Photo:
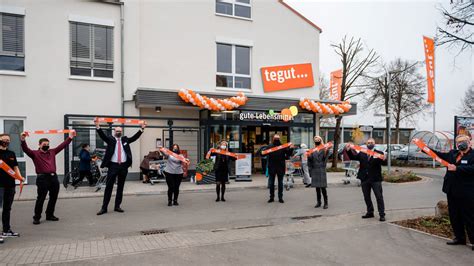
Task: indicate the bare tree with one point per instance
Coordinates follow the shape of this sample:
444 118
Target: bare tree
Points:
458 25
324 95
406 93
354 65
467 102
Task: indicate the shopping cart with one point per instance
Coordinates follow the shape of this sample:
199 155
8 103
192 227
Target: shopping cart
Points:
156 171
351 167
289 180
101 174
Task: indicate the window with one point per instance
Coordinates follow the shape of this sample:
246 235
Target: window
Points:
14 127
12 42
233 66
236 8
91 50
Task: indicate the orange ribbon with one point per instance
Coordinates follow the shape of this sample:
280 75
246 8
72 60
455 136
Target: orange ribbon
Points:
231 154
319 148
368 152
172 154
429 152
284 146
119 120
51 131
12 173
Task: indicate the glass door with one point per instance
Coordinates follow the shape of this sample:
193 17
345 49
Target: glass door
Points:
14 127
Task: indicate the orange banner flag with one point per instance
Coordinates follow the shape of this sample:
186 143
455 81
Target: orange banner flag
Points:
429 152
429 46
368 152
120 120
320 147
13 174
231 154
284 146
50 131
177 156
335 85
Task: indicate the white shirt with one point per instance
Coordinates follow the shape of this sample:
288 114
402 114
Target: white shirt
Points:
115 156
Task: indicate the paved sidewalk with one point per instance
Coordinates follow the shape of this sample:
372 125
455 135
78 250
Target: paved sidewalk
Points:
138 188
95 249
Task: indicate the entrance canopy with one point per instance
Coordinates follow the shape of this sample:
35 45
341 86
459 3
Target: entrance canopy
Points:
151 98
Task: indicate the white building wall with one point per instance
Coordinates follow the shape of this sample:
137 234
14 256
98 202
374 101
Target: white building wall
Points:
46 92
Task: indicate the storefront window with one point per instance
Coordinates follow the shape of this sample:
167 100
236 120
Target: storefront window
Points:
304 118
225 115
300 135
228 133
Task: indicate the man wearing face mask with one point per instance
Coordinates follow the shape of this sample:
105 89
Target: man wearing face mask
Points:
276 167
370 175
117 158
459 188
7 186
44 160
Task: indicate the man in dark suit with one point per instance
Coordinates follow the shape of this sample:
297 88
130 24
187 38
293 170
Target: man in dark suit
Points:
459 187
276 167
117 158
370 175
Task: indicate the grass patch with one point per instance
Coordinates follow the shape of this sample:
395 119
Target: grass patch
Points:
439 226
400 176
335 169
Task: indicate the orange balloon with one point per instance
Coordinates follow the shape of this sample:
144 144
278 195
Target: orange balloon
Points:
286 114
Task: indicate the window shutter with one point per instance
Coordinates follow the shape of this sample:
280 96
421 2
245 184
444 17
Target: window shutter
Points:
81 40
103 48
12 39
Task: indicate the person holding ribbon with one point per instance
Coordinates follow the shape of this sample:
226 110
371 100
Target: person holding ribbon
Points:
277 155
459 188
47 181
317 161
173 172
7 186
117 158
222 166
370 175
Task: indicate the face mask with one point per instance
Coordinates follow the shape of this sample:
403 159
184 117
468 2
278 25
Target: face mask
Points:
317 143
118 134
4 143
223 147
276 142
462 146
175 150
45 148
370 146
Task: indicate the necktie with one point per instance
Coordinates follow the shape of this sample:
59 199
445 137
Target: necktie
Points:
119 159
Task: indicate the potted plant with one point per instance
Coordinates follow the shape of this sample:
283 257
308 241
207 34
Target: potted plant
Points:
203 168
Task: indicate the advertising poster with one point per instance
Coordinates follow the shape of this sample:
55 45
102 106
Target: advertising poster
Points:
243 168
464 126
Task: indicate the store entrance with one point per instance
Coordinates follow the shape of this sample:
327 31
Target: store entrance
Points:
254 137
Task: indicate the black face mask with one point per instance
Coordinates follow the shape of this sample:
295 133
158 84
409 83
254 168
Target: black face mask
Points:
175 150
370 146
45 148
317 143
276 142
118 134
4 143
462 146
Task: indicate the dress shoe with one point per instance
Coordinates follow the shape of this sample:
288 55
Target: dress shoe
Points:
281 201
222 199
308 185
318 205
175 203
218 199
102 211
118 209
472 247
382 219
52 218
325 206
368 215
270 200
455 242
36 221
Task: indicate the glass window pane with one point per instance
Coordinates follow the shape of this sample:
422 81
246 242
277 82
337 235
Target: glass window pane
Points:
12 33
242 83
80 40
242 11
243 1
12 63
83 137
223 8
224 58
14 128
103 73
81 72
242 60
100 42
224 81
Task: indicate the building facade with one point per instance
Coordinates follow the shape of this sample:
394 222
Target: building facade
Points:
130 58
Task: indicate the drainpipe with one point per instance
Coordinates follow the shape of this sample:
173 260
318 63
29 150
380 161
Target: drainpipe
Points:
122 72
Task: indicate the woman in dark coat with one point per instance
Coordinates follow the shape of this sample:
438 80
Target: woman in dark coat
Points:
317 170
222 167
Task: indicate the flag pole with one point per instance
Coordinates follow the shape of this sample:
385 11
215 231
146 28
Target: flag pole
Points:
434 94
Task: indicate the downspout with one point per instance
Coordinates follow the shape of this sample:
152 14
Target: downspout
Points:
122 72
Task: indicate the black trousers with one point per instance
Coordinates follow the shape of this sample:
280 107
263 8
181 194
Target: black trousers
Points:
46 183
271 184
115 172
8 196
367 187
461 215
318 194
87 174
173 181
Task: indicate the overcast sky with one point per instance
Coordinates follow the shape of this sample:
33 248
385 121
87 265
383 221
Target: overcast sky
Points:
394 29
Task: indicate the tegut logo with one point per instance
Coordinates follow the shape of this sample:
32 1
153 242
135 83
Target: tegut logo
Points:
287 77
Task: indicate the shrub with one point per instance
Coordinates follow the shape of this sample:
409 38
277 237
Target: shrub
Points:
399 176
